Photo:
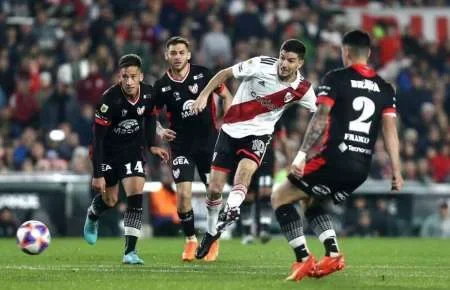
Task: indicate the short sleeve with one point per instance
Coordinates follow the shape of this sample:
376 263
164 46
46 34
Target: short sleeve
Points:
246 68
390 107
103 112
326 92
309 100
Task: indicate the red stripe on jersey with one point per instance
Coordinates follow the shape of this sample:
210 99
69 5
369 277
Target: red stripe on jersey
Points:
364 70
221 169
325 100
248 110
314 165
102 122
389 111
250 155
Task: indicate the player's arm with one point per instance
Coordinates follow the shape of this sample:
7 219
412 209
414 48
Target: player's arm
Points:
150 136
391 144
102 122
202 99
315 130
164 133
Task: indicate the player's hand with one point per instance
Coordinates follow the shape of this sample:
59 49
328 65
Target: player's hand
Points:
298 165
162 153
167 134
397 182
200 103
99 184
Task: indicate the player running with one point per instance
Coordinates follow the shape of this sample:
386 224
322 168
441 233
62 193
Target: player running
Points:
353 104
118 143
191 136
269 85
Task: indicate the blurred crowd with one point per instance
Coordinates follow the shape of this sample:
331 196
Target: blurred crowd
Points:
58 56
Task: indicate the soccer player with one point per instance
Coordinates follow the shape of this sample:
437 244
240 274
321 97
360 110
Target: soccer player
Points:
353 104
191 136
117 152
269 85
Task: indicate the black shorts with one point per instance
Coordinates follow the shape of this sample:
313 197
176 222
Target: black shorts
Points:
335 179
184 163
229 151
263 177
126 163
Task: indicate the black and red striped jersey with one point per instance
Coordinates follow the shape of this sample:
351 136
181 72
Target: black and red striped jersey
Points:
178 96
124 118
359 98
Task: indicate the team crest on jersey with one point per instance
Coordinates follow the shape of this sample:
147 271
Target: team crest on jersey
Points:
140 110
197 77
288 97
124 112
176 172
165 89
193 88
258 147
146 96
104 108
176 96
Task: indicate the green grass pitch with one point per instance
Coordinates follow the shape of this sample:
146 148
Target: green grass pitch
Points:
370 264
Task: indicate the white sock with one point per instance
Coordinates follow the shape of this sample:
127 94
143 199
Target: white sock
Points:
237 195
213 208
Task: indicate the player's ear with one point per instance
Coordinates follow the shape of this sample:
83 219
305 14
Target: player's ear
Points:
369 53
166 55
189 55
300 63
141 77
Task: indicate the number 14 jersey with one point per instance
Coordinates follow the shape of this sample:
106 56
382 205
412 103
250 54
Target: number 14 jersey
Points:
359 98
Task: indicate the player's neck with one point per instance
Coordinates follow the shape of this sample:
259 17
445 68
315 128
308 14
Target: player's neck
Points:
289 79
132 98
179 74
358 62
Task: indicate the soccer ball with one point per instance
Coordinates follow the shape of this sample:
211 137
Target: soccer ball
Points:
33 237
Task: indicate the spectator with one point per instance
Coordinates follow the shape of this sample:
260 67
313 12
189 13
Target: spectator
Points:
437 225
8 223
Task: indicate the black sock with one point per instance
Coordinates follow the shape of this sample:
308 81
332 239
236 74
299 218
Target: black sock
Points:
98 206
330 246
187 223
292 227
133 222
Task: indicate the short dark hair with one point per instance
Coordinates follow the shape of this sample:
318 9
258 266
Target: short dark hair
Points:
177 40
358 42
294 45
130 60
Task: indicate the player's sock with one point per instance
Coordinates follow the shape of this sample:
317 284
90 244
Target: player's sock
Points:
97 207
133 222
292 227
265 219
187 223
322 226
213 208
237 195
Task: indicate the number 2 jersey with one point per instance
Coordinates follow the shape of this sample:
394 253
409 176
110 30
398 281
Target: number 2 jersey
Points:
359 98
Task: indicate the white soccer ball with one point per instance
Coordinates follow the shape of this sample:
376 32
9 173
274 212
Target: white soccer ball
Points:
33 237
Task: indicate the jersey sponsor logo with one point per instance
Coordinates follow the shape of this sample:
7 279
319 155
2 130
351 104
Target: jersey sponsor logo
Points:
180 160
176 172
128 126
365 85
343 147
264 102
258 147
193 88
262 83
321 189
356 138
177 96
104 108
146 96
359 150
165 89
340 196
140 110
288 97
197 77
106 167
187 109
124 112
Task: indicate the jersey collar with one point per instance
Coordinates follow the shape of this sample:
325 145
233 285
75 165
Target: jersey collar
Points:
364 70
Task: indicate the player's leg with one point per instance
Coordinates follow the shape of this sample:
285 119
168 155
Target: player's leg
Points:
265 207
322 225
283 199
100 203
133 217
217 181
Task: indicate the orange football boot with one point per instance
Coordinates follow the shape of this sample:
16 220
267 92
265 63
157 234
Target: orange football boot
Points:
302 269
328 265
189 251
213 252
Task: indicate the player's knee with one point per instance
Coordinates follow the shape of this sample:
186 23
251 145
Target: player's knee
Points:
276 199
214 190
184 200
